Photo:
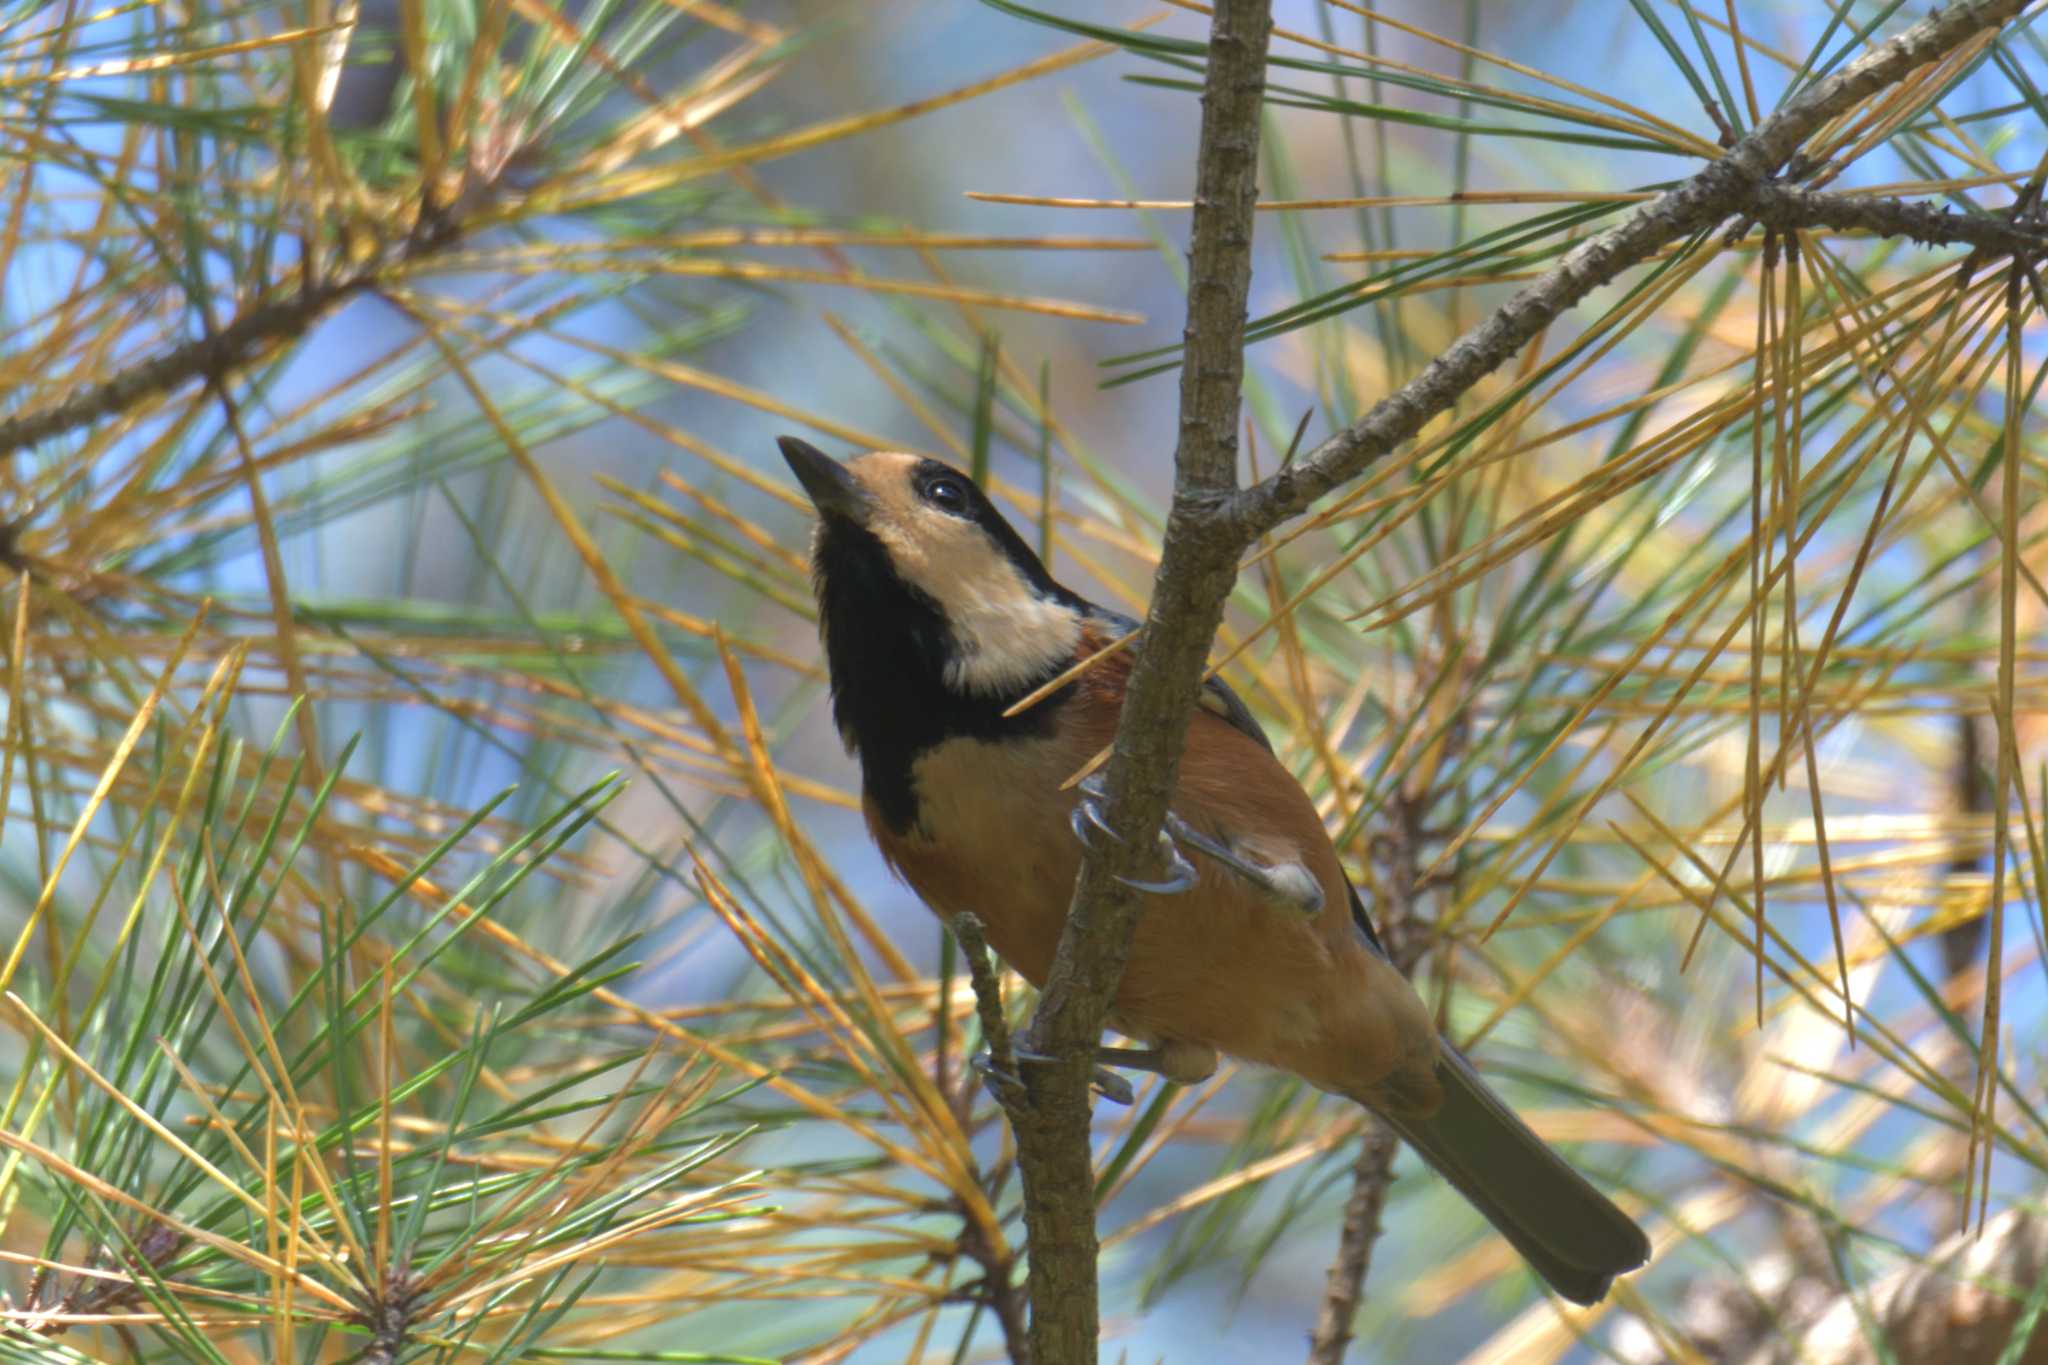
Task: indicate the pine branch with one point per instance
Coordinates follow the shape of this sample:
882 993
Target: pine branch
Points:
1195 576
86 1297
999 1289
1406 939
1344 1289
1786 207
245 340
1725 187
988 998
390 1320
1212 522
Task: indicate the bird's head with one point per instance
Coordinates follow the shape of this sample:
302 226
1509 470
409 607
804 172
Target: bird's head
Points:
912 561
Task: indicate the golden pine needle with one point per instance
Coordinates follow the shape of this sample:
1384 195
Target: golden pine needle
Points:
1069 674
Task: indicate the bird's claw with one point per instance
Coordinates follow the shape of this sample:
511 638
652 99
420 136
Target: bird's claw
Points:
1105 1082
1112 1087
1292 884
1087 816
1181 875
995 1079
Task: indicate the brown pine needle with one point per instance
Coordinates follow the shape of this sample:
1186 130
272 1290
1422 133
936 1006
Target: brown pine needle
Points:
1060 680
1367 201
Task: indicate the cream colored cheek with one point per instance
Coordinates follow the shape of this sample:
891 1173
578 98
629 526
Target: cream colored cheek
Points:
946 572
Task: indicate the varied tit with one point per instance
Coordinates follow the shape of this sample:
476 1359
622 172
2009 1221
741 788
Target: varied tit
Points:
936 617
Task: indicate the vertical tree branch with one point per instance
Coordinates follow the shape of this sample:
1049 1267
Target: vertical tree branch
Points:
999 1289
390 1319
1961 943
1404 935
1213 521
1962 948
1345 1288
1197 569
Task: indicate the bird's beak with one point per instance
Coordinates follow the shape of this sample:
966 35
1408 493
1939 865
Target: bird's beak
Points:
832 490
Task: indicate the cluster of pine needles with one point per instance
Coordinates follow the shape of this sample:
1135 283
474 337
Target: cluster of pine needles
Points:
415 952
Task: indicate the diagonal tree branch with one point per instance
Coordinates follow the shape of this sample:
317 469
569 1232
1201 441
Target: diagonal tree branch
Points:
1786 206
1212 523
1725 186
246 339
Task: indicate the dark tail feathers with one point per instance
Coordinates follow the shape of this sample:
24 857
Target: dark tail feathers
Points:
1573 1235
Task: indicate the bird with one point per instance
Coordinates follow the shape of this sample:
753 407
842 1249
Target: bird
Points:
936 619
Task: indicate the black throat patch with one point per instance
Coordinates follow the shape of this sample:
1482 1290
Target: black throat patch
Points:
887 646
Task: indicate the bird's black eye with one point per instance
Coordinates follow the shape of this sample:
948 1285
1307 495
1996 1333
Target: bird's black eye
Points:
946 493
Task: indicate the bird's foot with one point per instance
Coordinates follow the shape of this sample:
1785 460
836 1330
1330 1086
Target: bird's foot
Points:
1104 1082
1290 884
1088 817
1112 1087
1183 1063
1000 1084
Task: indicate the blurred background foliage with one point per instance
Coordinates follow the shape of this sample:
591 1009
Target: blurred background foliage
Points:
437 921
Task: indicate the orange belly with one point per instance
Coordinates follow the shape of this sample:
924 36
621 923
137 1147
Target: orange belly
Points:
1218 965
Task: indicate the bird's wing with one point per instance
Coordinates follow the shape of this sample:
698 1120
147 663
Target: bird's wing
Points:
1364 922
1220 699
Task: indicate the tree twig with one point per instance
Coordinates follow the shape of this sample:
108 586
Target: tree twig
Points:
1404 936
1725 186
988 1000
390 1319
1962 948
999 1290
1371 1173
1785 207
244 340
